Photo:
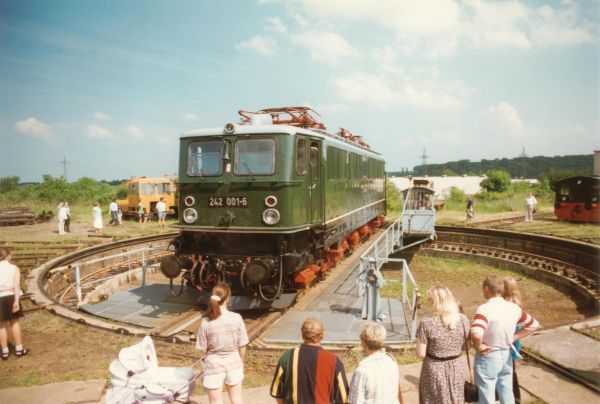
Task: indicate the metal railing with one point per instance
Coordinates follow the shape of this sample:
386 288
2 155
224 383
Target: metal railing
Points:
390 242
127 257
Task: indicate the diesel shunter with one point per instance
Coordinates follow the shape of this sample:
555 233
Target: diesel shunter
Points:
270 204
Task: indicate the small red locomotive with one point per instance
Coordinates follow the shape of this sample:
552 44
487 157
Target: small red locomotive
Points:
578 199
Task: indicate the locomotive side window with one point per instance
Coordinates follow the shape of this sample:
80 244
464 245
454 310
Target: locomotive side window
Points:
205 158
254 157
301 157
314 161
332 163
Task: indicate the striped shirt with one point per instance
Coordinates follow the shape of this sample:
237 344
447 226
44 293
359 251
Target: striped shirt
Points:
376 380
309 374
221 339
497 320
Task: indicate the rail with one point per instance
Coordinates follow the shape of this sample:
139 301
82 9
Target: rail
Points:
143 254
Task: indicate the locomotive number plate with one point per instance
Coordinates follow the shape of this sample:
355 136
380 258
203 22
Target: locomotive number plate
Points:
227 202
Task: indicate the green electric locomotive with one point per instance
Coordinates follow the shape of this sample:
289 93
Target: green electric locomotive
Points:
270 204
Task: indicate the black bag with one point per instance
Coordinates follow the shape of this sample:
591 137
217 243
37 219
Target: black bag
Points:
471 393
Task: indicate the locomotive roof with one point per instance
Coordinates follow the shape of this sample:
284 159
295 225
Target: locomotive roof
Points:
591 178
276 129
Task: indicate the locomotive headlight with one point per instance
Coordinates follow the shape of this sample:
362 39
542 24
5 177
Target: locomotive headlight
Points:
271 216
190 215
189 201
271 201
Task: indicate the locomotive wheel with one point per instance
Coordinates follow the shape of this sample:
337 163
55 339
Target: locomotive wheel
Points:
207 278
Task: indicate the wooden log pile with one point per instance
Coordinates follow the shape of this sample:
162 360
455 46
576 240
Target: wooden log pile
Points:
16 216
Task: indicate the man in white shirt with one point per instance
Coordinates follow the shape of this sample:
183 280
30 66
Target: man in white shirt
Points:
530 204
114 213
62 217
493 334
161 210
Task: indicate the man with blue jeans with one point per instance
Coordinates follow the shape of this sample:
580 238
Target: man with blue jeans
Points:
492 334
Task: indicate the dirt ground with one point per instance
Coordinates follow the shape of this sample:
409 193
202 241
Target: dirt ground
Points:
548 305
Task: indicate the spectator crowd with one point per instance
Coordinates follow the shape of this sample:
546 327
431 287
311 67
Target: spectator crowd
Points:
308 373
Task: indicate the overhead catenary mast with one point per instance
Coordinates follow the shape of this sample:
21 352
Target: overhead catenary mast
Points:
523 156
64 163
424 164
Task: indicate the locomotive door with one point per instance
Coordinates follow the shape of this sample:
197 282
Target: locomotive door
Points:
314 189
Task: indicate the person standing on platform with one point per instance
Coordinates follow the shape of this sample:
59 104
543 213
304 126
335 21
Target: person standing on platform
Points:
141 212
97 216
161 210
10 307
114 213
493 335
470 212
222 337
440 341
376 379
62 217
530 205
309 373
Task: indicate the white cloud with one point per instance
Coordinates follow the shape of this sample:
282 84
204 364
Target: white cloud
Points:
560 27
190 117
498 23
101 116
435 28
261 44
360 87
97 132
135 132
506 115
34 128
275 25
417 89
326 47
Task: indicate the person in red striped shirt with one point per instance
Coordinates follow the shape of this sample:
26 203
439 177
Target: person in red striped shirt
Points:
493 335
309 374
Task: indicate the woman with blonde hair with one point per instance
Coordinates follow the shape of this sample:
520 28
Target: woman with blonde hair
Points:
10 307
222 337
440 340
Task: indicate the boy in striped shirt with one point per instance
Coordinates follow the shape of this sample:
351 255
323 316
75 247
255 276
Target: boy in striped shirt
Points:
492 334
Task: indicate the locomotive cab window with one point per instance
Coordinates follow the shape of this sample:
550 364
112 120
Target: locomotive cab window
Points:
205 158
254 157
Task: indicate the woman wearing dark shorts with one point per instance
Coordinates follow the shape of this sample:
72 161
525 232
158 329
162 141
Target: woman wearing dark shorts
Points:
10 307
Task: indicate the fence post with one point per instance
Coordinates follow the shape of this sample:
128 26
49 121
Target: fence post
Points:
78 285
144 268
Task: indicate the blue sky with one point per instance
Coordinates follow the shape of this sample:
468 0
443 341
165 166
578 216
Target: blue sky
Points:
112 84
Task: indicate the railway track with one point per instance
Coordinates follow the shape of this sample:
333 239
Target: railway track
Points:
567 263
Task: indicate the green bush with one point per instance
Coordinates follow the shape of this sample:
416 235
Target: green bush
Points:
8 184
393 198
496 181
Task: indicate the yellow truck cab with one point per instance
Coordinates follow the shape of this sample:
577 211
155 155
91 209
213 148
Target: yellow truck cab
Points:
149 190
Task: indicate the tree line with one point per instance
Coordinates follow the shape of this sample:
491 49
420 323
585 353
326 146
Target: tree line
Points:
518 167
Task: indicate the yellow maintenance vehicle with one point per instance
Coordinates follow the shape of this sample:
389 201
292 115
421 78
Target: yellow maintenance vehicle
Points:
149 190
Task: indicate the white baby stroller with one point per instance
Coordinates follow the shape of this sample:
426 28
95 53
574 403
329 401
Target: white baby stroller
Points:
137 378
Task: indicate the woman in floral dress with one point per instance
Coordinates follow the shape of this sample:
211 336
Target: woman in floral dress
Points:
440 341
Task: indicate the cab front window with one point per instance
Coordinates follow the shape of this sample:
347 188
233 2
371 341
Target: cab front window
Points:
205 158
255 157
